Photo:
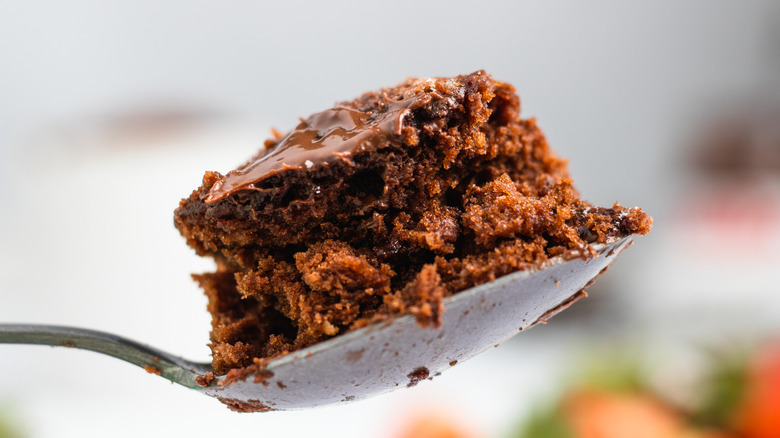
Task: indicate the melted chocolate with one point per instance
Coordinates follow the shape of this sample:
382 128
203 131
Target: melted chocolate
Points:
322 138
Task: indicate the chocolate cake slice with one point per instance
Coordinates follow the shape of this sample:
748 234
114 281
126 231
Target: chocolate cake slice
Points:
379 207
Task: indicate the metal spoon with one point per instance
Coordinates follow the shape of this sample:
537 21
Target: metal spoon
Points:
366 362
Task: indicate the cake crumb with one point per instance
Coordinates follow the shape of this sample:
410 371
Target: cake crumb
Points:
206 379
250 405
417 375
262 376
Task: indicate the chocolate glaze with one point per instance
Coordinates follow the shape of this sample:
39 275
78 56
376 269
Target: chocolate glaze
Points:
322 138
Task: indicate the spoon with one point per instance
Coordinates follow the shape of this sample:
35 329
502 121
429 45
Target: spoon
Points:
365 362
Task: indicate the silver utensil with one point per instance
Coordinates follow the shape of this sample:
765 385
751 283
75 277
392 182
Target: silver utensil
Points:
366 362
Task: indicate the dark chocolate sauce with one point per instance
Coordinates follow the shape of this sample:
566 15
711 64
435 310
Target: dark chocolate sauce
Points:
322 138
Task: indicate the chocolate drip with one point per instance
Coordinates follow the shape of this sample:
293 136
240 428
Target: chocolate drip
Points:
321 139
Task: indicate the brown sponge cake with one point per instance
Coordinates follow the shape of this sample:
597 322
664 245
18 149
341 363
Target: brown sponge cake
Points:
383 206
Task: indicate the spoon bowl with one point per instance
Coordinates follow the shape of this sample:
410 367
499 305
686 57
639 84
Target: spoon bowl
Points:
366 362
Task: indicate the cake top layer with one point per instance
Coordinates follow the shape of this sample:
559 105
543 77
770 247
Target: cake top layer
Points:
336 133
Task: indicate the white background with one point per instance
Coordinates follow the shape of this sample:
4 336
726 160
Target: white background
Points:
86 234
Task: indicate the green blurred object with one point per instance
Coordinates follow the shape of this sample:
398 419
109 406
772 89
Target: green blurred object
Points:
616 370
723 387
10 425
546 423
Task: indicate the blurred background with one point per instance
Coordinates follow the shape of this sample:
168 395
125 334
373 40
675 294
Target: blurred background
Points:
110 112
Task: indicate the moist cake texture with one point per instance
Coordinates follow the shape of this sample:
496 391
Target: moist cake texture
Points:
379 207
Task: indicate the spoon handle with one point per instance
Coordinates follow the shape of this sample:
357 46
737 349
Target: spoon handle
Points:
171 367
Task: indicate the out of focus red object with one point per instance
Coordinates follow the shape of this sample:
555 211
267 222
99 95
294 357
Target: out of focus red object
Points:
435 425
758 414
594 413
